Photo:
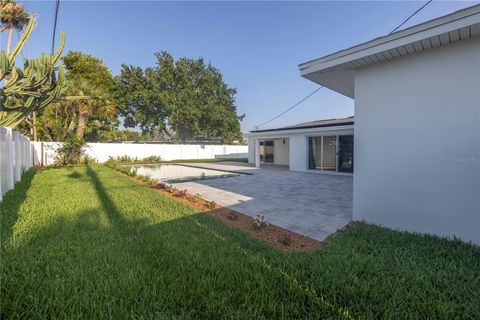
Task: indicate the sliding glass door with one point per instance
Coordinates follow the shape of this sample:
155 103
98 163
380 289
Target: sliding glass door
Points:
329 158
266 151
345 153
331 153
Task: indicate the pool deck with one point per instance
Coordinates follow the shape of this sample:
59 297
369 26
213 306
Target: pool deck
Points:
312 204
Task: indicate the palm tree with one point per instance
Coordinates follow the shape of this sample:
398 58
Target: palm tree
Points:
95 103
12 17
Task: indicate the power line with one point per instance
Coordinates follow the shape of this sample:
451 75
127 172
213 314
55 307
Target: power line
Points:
290 108
55 25
411 16
311 94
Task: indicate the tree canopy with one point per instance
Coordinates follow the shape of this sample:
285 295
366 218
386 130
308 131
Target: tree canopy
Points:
187 96
86 76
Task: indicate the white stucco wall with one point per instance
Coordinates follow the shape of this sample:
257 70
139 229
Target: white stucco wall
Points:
417 142
281 152
298 152
251 150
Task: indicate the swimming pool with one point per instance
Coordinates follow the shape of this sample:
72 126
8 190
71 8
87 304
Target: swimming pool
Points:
172 173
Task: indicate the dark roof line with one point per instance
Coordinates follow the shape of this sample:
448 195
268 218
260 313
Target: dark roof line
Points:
320 124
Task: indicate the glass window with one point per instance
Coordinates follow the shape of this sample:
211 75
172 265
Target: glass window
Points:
315 153
329 162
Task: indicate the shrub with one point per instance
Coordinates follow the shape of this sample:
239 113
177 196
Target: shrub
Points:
232 215
161 185
259 222
211 205
86 159
152 182
286 238
197 196
152 159
181 193
70 151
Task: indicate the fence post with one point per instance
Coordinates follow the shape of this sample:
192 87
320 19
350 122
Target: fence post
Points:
9 162
3 142
17 157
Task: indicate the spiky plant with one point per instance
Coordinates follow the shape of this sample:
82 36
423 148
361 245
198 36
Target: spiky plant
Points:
32 88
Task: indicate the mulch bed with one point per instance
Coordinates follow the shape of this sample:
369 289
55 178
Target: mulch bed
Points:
271 234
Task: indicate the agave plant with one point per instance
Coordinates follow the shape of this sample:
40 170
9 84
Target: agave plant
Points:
32 88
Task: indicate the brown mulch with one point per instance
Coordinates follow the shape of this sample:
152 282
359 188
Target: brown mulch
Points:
270 233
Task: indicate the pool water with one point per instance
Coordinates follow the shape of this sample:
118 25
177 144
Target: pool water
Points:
172 173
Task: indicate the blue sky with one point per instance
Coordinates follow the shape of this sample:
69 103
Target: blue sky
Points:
256 45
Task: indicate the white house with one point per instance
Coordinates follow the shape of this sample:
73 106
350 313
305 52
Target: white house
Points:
417 124
323 146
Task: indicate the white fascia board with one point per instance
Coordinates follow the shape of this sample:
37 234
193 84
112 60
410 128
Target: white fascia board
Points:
280 134
455 21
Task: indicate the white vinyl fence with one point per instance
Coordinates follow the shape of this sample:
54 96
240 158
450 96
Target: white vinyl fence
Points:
44 152
18 154
15 158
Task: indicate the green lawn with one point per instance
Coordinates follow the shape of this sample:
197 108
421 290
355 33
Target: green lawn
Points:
88 243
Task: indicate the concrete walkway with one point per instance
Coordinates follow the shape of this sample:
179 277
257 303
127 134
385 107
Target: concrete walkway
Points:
312 204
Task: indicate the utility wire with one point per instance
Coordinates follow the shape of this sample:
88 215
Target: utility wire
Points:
55 25
290 108
311 94
411 16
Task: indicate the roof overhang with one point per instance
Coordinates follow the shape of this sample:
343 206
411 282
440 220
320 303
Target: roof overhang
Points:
286 133
337 71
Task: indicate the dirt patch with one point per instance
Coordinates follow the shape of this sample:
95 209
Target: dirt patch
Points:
275 236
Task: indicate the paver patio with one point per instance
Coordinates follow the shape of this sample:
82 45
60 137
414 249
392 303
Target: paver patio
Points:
312 204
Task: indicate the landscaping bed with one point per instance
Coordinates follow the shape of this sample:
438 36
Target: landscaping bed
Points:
275 236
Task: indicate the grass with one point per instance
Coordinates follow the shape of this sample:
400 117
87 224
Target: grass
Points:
87 243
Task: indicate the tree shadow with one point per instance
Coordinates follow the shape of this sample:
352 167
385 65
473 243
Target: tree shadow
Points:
75 175
114 215
10 205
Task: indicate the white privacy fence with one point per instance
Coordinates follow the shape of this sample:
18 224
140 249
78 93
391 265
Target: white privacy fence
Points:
44 152
18 154
15 158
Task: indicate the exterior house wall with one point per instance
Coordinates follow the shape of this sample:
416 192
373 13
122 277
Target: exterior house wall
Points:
417 142
298 152
281 152
251 150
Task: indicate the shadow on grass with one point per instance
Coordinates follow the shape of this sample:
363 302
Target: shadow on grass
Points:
181 264
10 205
108 205
75 175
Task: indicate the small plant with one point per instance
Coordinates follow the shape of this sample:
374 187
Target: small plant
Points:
197 196
152 159
161 185
286 238
181 193
152 182
232 215
211 205
171 189
259 222
86 159
143 178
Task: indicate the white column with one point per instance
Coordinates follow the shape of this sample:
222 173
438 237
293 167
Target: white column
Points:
257 153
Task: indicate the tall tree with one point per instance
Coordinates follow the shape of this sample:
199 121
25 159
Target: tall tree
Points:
187 96
86 76
12 17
